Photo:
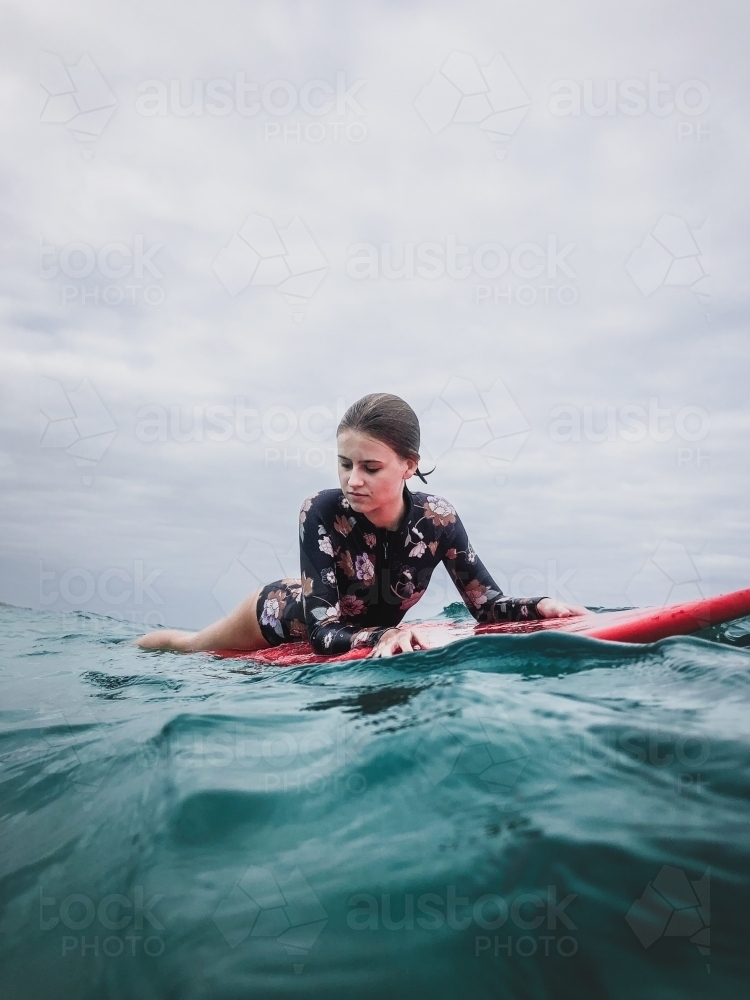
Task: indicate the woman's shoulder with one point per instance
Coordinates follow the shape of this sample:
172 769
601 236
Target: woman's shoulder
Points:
324 502
439 510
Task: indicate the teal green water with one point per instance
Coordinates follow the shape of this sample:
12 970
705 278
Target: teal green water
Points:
527 817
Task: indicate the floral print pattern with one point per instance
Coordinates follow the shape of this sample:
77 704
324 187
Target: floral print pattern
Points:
324 544
358 580
273 607
351 607
345 563
476 593
365 568
341 524
440 512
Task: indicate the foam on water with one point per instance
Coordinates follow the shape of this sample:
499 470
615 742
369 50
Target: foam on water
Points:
531 816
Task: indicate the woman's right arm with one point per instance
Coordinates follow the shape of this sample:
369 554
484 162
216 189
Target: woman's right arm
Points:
318 547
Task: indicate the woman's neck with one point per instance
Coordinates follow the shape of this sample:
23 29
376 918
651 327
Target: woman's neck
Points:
388 516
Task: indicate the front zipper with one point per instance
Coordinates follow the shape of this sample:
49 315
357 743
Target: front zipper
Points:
384 570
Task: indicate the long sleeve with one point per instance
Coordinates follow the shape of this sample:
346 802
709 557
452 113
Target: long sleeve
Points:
325 609
478 590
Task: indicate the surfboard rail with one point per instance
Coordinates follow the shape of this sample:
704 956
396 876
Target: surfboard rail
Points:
636 625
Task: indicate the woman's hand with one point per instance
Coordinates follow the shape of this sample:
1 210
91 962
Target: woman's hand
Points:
404 639
548 608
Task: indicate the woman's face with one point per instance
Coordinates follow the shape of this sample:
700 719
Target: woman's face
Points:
370 472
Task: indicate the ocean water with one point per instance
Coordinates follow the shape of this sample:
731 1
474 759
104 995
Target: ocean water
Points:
512 816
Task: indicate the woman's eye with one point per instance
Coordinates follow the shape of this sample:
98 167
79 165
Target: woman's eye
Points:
371 472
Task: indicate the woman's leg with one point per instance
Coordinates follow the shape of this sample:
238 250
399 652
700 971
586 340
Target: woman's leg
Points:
239 630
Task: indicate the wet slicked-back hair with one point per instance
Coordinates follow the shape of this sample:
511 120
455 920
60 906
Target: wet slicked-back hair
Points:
387 418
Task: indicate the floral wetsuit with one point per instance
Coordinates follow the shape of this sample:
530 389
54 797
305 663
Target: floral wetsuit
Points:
358 580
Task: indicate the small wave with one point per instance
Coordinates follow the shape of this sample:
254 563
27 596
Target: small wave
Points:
522 816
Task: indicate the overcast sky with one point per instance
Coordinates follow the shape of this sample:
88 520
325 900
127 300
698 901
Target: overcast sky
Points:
205 216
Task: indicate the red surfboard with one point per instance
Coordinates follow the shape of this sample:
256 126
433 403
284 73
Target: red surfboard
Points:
636 625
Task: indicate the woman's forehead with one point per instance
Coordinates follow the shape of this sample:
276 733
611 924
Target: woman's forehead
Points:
355 444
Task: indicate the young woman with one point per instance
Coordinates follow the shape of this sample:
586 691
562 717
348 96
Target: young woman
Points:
367 552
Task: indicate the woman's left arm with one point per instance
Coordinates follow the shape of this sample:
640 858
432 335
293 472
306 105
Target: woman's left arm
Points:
482 596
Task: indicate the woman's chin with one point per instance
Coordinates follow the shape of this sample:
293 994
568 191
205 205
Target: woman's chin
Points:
362 506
